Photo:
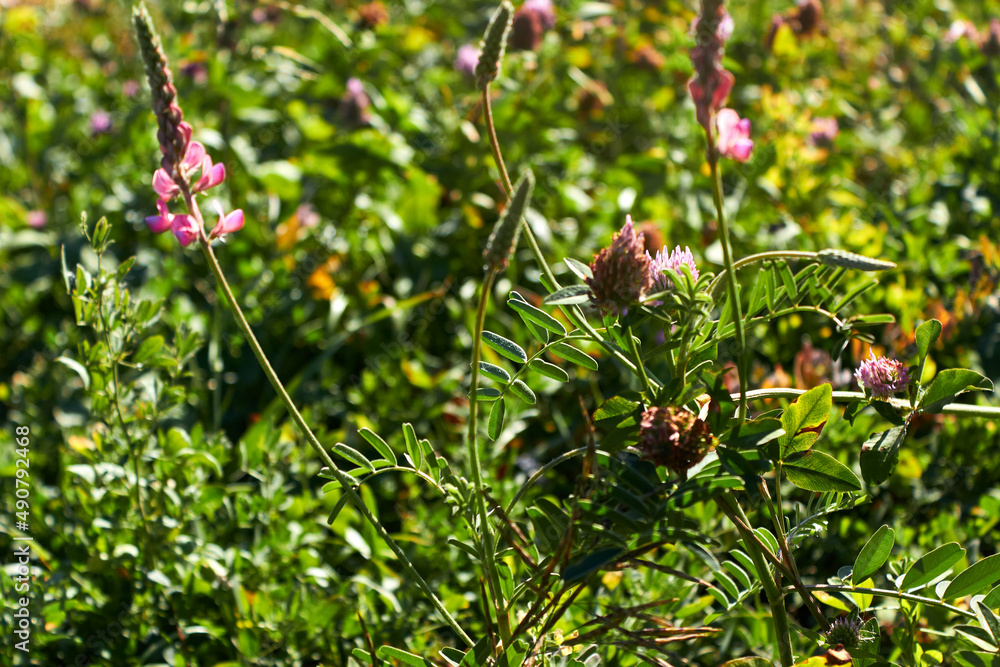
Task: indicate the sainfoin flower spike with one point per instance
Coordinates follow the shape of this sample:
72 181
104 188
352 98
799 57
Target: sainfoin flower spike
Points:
711 84
621 272
734 136
882 377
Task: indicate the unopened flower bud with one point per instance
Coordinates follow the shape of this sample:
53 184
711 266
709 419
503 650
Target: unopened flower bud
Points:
503 239
494 44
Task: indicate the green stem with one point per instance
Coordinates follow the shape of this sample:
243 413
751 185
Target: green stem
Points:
346 481
574 313
638 361
731 279
730 506
486 528
887 593
759 257
778 518
898 403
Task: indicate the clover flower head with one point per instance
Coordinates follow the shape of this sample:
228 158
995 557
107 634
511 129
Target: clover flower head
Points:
882 377
669 260
621 272
674 438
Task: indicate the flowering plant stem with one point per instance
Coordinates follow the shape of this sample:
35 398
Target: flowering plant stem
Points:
771 583
731 280
898 403
573 313
486 528
346 481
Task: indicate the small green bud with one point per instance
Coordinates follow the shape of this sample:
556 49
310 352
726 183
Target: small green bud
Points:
849 260
494 44
101 231
503 239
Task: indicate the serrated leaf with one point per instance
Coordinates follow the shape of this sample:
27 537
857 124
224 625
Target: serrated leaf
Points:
932 565
977 578
573 355
495 424
873 555
504 347
354 456
523 391
494 372
804 419
538 316
549 370
950 383
574 294
880 453
815 471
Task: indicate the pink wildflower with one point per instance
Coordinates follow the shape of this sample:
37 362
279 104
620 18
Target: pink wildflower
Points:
228 223
673 260
711 84
882 377
734 136
621 272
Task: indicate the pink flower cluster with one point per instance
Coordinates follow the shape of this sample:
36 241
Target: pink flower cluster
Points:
882 377
624 273
711 84
186 227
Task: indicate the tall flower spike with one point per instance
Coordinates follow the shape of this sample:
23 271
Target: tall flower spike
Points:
494 44
621 272
882 377
174 134
503 239
711 84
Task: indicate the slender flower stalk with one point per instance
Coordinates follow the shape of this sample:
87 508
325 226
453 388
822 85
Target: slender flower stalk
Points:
181 157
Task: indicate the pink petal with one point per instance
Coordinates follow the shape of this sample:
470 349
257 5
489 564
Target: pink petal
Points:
211 175
163 185
160 223
742 150
228 224
194 155
157 223
185 229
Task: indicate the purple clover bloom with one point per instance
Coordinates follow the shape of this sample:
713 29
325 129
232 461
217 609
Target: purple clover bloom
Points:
672 260
882 377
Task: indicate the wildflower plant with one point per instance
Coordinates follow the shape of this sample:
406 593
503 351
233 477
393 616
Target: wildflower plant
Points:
672 443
